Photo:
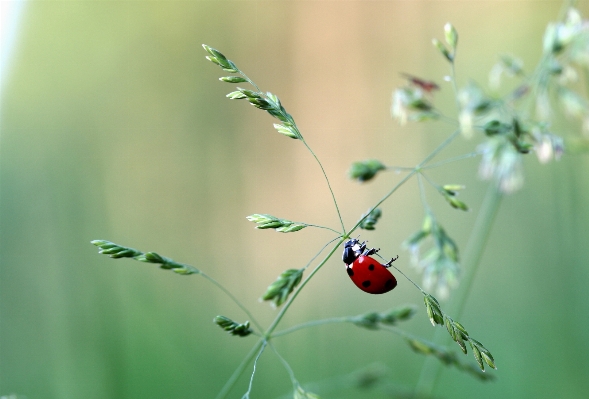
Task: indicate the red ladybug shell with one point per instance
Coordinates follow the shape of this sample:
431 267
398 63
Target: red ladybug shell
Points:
370 276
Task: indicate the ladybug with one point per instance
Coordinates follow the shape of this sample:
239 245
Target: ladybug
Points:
367 273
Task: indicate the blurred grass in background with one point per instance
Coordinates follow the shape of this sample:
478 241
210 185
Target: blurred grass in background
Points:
114 126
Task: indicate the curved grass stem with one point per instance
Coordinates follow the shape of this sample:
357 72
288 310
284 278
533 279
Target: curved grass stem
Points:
234 299
286 366
453 159
270 330
343 319
268 334
240 369
323 227
339 215
249 389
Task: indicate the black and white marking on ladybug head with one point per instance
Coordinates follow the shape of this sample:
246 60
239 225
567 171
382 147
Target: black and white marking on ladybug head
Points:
352 250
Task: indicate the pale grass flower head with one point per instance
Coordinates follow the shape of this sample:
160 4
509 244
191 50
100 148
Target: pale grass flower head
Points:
503 163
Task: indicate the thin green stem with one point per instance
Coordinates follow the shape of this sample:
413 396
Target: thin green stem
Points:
234 299
411 281
319 253
422 192
239 370
415 170
446 118
400 332
268 334
280 315
432 183
312 153
453 159
453 77
474 251
439 148
400 168
383 199
321 227
249 389
293 379
250 81
339 215
344 319
313 323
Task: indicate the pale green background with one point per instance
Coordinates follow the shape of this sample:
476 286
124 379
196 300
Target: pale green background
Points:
114 126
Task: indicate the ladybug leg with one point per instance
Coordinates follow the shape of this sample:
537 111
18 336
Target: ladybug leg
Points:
390 262
371 252
362 247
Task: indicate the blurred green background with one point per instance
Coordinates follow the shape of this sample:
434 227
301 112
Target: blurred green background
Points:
114 126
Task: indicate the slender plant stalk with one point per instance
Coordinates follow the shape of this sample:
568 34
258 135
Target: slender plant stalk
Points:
322 227
473 253
439 148
313 323
268 333
339 215
312 153
286 366
454 84
453 159
383 199
249 390
234 299
240 369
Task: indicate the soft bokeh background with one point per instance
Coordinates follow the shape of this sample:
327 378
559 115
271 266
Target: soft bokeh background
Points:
114 126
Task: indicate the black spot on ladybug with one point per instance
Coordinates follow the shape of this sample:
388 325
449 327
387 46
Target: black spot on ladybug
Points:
371 267
366 284
388 283
350 271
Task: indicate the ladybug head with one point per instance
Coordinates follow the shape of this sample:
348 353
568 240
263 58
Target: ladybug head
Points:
351 242
352 250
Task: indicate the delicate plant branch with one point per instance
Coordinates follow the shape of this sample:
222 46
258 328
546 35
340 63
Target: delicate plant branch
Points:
240 369
453 159
268 102
280 315
386 321
116 251
372 320
298 391
247 394
268 334
279 290
328 184
286 366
